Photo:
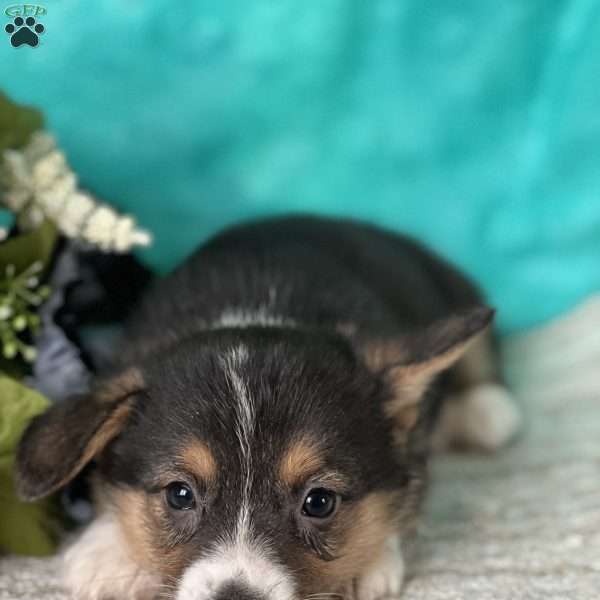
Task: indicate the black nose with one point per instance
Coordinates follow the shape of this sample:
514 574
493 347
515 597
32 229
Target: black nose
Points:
237 591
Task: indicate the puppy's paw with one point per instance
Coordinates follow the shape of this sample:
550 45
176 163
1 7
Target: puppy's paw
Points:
384 579
484 417
98 566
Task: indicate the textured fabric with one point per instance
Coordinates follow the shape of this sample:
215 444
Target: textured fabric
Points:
472 124
522 525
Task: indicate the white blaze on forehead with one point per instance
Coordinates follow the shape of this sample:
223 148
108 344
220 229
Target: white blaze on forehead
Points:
244 430
239 564
239 560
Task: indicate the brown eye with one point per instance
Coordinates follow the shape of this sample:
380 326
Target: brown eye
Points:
180 496
319 503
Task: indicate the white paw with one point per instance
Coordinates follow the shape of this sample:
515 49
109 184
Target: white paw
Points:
384 579
485 417
98 566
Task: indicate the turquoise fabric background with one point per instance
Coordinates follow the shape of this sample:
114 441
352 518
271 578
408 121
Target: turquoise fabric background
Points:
472 124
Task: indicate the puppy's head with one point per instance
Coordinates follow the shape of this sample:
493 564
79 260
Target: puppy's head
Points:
263 463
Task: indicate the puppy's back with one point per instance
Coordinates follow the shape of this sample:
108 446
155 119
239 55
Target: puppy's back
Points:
306 270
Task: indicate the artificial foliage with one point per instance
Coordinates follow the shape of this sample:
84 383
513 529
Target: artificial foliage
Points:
23 262
17 123
24 528
40 185
52 222
20 295
41 190
24 255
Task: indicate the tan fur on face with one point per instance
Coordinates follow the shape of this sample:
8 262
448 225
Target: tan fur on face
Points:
199 460
301 460
362 531
131 509
99 565
141 519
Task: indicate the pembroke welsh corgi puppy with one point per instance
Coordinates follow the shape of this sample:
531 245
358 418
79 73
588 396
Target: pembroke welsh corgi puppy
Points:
266 433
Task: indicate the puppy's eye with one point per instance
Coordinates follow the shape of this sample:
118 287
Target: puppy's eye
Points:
319 503
180 496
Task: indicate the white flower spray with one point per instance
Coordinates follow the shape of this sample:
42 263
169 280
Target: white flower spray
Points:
37 183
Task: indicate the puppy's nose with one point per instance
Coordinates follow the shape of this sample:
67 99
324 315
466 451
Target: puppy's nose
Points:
237 591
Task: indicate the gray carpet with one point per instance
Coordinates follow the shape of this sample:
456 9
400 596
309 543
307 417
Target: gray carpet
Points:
522 525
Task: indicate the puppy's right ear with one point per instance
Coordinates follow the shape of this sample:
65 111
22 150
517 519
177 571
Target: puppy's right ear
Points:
59 443
409 364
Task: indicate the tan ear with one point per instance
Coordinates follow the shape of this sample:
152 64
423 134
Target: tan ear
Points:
58 444
411 363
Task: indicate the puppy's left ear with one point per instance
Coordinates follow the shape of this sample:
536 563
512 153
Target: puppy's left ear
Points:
59 443
410 364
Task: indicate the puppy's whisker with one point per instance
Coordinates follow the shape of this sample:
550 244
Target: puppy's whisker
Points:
167 591
97 579
169 580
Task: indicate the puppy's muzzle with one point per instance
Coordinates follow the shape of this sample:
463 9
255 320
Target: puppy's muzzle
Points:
237 591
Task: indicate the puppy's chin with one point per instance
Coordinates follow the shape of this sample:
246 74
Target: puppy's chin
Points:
99 565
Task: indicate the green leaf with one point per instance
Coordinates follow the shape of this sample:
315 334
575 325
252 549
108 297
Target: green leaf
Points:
25 528
19 405
17 123
26 248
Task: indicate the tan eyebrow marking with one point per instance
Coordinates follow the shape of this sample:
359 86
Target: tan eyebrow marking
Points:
301 460
199 460
333 480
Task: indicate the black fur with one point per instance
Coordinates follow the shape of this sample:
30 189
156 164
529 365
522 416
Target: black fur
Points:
318 272
303 297
303 378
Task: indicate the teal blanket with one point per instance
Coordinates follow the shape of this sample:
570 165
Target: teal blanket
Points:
473 125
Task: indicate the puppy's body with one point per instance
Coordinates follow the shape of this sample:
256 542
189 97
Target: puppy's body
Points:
269 433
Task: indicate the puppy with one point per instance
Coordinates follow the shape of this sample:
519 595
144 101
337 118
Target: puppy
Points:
266 434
